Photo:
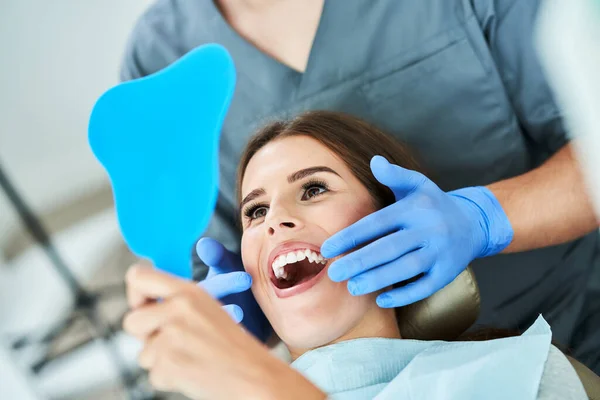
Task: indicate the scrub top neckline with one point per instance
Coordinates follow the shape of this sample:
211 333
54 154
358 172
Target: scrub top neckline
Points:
266 68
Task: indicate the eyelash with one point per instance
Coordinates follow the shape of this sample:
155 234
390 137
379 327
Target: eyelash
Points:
315 183
249 211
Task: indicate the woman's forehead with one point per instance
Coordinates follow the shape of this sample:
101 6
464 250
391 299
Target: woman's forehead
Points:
281 157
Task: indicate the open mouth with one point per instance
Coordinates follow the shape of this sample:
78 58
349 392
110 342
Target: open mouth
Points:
296 273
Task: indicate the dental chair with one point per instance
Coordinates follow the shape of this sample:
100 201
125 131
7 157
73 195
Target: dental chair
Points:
448 314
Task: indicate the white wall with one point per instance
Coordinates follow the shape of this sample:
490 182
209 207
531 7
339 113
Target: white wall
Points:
57 57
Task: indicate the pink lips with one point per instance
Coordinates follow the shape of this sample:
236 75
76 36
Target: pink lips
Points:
285 248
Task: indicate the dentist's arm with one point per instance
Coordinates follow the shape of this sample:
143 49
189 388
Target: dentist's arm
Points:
548 205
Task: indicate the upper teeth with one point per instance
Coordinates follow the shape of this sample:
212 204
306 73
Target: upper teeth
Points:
294 256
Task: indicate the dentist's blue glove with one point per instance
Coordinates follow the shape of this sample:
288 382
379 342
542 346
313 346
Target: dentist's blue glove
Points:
228 282
426 231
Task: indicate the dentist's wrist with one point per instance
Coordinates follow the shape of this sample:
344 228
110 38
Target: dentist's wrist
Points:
498 232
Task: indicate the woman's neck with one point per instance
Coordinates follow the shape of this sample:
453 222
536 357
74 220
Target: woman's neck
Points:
377 323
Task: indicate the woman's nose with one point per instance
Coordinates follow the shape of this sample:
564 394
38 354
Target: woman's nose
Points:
282 222
282 226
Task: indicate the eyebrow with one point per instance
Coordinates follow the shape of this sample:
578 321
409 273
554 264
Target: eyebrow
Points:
303 173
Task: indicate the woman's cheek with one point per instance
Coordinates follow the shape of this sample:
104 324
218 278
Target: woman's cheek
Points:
252 247
353 211
337 218
250 251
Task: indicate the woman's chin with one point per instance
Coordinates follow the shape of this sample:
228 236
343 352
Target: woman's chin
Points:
318 320
301 341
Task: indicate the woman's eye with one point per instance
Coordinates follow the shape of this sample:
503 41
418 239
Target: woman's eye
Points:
313 191
259 212
255 212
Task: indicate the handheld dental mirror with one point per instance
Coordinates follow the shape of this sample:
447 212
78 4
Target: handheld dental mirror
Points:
158 139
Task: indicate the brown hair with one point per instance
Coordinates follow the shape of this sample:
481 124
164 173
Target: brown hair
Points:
352 139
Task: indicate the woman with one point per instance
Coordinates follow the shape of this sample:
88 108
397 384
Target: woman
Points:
299 182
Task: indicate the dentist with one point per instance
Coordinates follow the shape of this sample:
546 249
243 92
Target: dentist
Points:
458 80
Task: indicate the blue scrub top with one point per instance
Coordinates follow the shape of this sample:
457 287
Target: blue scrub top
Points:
458 80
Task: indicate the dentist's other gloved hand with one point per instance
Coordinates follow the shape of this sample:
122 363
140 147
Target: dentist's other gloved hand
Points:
426 231
228 282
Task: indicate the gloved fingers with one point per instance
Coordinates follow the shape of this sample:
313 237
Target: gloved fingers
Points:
378 253
400 180
235 311
371 227
217 257
399 270
222 285
411 293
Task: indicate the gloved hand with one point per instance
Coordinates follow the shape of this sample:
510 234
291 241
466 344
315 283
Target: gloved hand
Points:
228 282
425 231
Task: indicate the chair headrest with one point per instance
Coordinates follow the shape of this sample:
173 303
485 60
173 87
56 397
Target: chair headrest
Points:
590 381
446 314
